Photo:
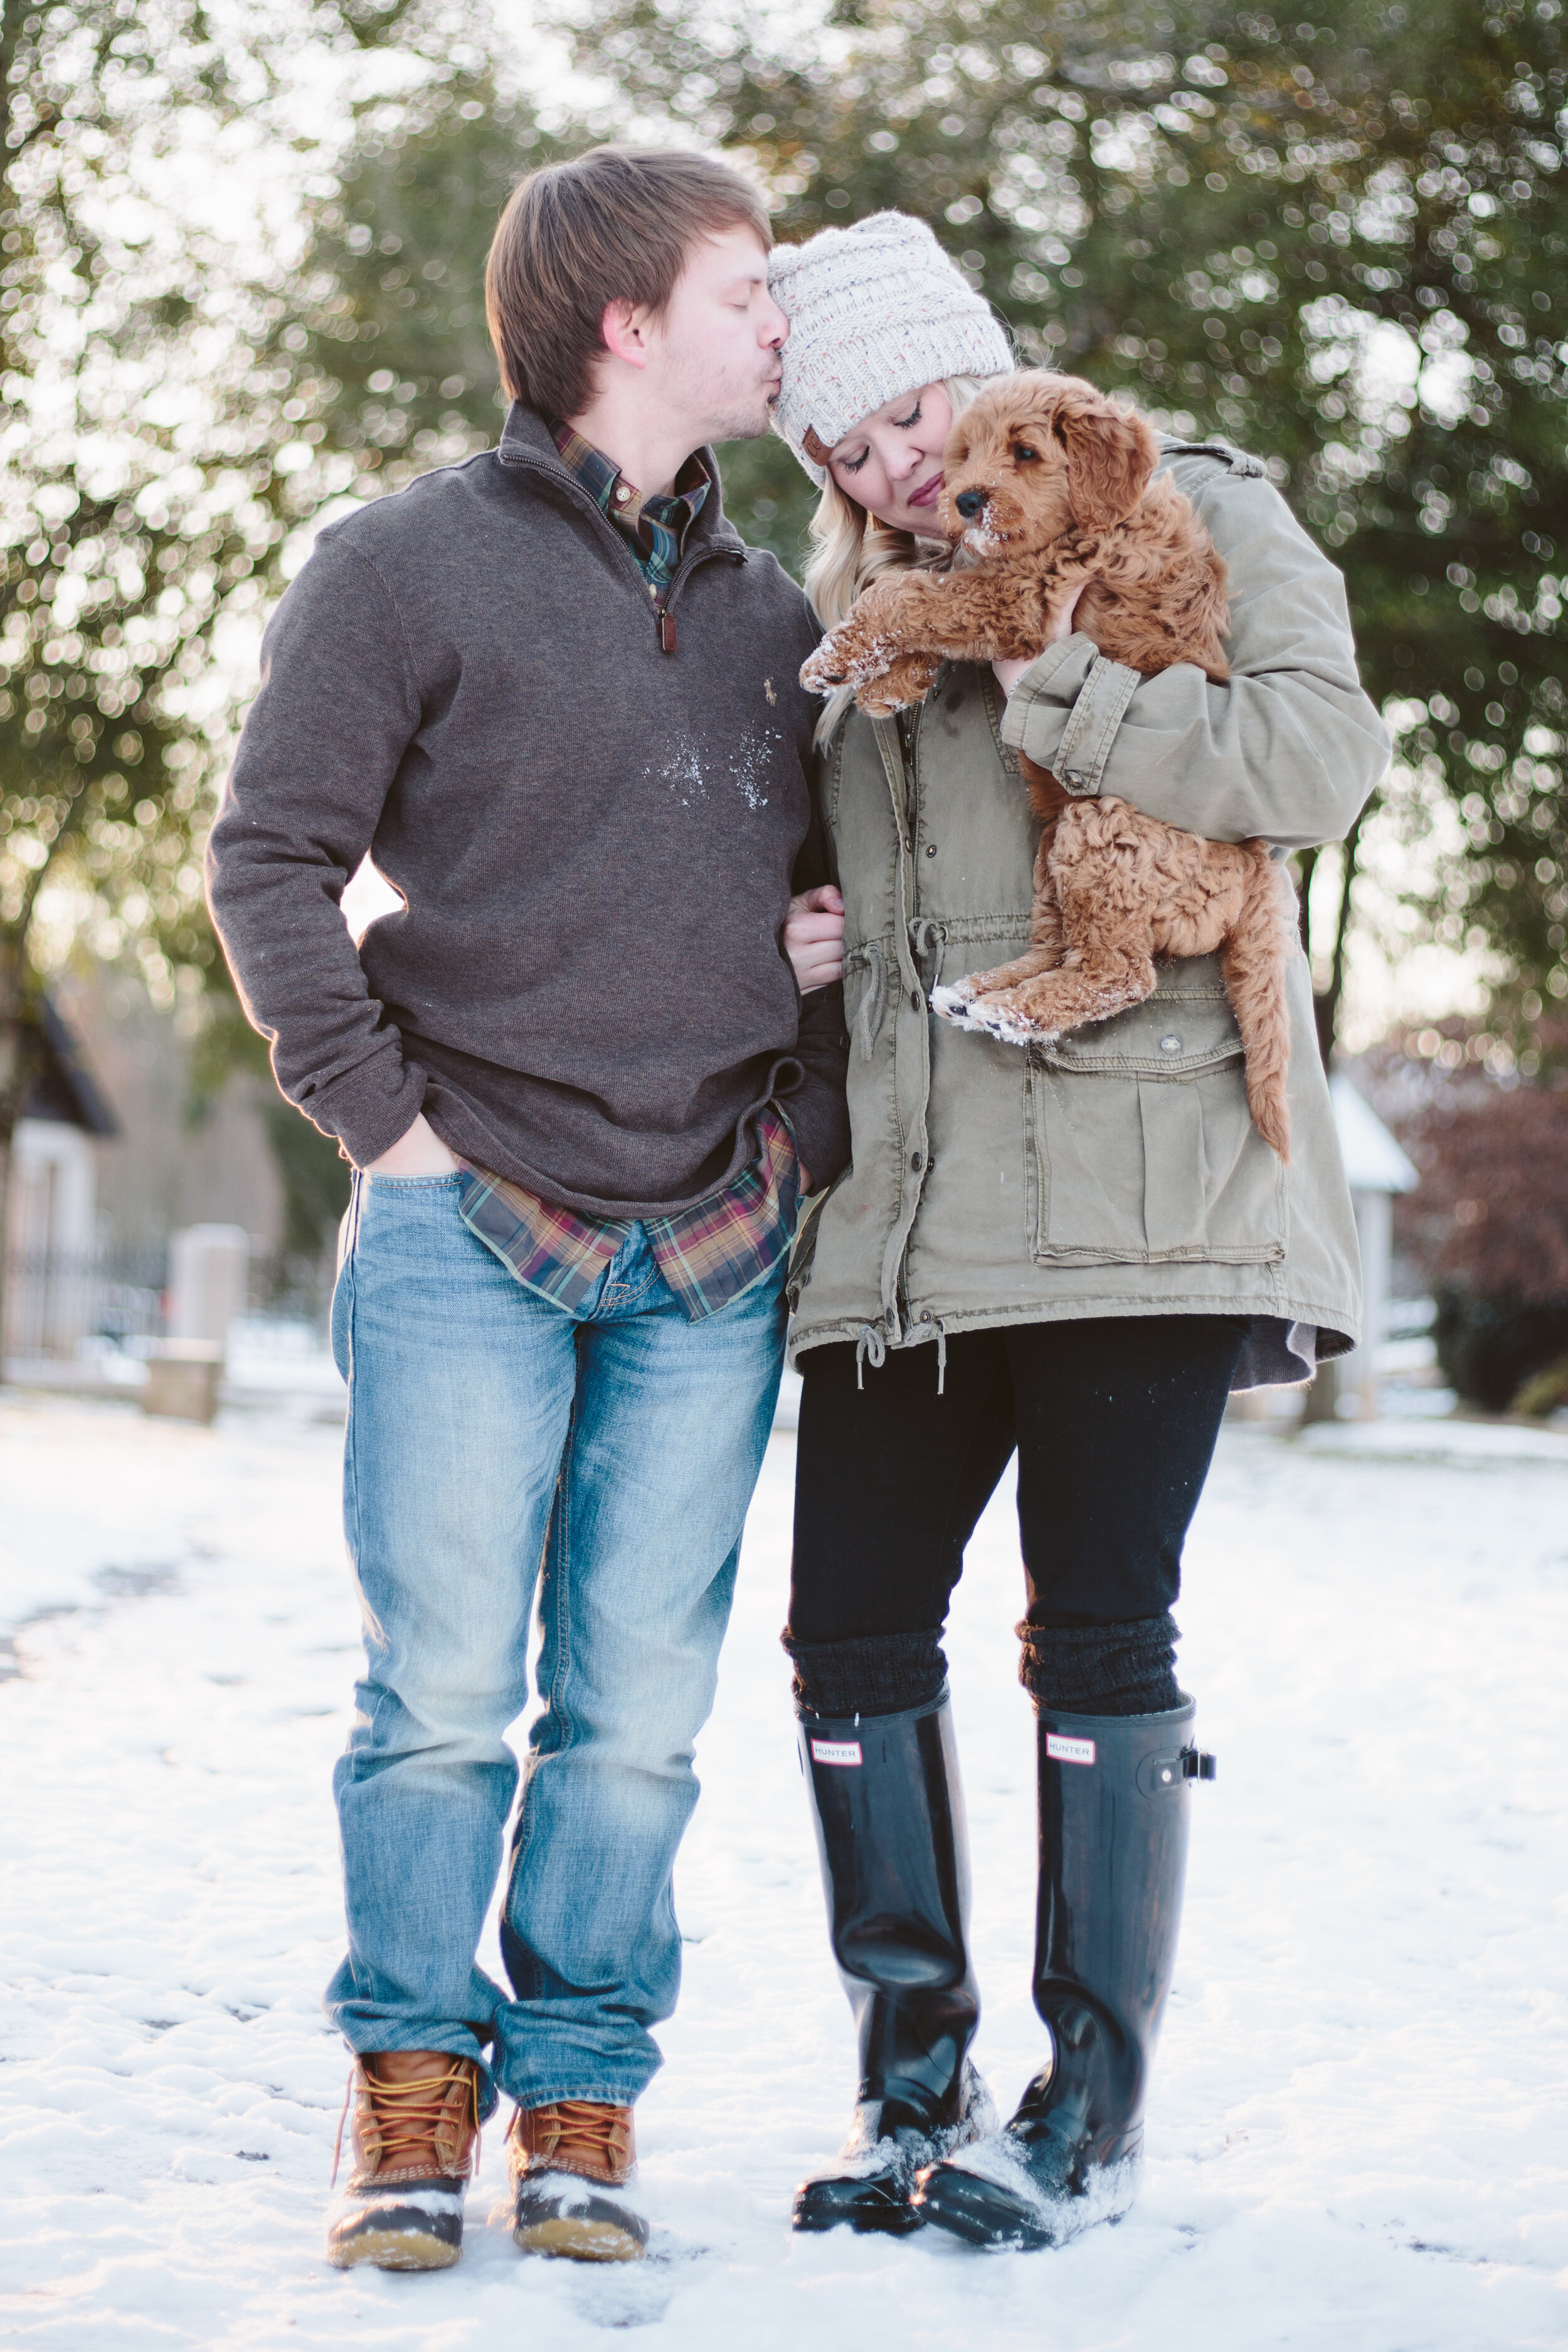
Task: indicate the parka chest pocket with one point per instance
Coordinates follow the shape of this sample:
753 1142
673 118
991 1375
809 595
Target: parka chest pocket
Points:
1140 1147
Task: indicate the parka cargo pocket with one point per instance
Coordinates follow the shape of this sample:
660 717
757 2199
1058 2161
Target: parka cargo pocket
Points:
1139 1148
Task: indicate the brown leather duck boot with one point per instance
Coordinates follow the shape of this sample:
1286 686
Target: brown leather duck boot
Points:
561 2159
415 2142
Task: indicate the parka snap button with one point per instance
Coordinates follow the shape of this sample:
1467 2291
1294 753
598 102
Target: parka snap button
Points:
915 1162
931 849
1171 1044
916 998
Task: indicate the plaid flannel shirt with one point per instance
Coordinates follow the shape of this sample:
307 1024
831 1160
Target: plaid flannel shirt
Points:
654 529
719 1247
708 1254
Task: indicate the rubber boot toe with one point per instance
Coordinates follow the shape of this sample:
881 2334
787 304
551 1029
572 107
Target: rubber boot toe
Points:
873 2187
558 2213
415 2225
982 2212
876 2199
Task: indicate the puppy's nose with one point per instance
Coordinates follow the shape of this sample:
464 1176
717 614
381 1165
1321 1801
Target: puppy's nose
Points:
970 503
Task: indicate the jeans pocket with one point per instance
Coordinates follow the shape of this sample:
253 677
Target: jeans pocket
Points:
341 1318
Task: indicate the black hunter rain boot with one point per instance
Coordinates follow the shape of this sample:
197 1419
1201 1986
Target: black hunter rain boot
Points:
889 1811
1114 1797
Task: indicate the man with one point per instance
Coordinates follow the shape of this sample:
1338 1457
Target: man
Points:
555 695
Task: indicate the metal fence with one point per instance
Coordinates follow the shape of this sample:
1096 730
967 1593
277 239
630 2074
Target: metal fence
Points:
57 1299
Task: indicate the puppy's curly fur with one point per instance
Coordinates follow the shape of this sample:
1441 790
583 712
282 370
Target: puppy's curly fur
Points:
1047 488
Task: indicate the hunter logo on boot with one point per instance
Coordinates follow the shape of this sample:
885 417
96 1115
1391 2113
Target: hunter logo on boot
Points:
836 1751
1063 1750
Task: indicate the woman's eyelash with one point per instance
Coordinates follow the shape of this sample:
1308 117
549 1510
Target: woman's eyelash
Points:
903 424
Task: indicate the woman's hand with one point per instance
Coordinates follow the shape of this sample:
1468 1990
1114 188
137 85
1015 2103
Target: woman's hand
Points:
1009 673
420 1152
814 937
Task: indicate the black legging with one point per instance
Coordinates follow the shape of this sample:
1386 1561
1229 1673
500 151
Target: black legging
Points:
1114 1421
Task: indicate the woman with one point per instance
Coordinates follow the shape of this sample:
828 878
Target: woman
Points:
1075 1253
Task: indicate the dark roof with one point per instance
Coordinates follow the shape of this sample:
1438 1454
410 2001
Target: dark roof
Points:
65 1089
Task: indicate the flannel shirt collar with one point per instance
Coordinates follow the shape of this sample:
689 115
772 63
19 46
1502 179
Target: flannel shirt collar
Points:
657 527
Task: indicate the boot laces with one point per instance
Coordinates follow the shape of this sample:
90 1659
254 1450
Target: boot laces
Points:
589 2131
409 2115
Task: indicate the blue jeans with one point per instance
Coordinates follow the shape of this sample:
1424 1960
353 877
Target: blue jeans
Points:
496 1442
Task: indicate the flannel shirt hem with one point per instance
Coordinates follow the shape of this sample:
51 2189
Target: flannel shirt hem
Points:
708 1254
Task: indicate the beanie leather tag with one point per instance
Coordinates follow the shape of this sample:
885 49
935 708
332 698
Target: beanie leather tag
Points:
816 448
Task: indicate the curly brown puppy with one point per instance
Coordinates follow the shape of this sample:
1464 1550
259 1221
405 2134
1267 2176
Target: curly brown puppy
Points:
1048 487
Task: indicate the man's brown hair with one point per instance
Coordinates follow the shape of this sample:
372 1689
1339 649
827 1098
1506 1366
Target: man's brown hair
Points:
616 225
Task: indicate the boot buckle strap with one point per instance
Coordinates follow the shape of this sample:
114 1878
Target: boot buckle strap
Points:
1171 1769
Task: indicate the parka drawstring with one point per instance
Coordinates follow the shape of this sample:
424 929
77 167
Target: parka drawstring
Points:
868 1019
928 937
871 1348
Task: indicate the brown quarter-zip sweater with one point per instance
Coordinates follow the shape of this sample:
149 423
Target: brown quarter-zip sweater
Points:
595 840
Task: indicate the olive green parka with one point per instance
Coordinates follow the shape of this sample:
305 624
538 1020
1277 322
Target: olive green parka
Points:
1118 1171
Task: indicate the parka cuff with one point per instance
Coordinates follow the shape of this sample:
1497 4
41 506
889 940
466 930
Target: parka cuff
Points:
1064 715
1048 689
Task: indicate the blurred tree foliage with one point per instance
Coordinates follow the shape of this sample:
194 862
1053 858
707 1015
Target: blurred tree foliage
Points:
148 449
1338 242
387 322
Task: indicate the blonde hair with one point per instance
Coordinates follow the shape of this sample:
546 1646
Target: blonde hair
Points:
850 548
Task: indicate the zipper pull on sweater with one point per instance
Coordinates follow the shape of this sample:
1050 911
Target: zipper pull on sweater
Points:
666 633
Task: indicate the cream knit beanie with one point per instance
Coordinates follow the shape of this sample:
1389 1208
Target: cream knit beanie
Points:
875 311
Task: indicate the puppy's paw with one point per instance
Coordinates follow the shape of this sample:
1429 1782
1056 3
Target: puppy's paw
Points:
843 660
824 670
899 684
883 696
1002 1017
954 1003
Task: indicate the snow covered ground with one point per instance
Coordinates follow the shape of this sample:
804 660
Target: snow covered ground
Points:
1359 2133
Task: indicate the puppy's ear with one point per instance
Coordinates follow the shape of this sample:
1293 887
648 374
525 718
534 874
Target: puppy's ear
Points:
1111 458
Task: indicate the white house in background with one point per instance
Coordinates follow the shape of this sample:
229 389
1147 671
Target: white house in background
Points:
52 1223
1378 1169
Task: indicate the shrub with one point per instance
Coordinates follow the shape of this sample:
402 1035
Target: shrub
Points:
1492 1351
1489 1226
